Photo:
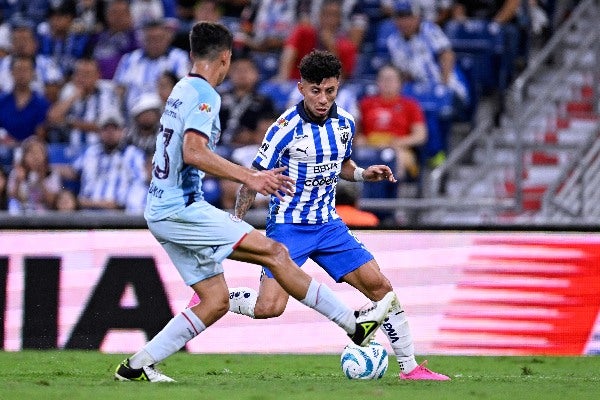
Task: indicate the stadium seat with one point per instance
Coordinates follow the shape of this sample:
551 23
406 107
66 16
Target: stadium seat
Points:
267 63
364 156
279 92
6 158
479 48
62 153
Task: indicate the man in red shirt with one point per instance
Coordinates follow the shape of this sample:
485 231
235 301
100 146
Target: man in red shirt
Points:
389 119
328 35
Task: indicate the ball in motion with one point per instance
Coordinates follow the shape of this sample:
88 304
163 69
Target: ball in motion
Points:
369 362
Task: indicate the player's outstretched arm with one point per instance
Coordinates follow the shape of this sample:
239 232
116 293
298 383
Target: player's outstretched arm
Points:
374 173
197 153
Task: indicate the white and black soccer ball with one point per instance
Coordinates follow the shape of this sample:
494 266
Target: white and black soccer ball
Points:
369 362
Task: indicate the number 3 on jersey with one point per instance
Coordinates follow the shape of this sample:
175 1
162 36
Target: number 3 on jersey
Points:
163 173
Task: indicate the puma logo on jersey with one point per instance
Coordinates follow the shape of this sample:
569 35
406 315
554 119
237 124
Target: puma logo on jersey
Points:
305 151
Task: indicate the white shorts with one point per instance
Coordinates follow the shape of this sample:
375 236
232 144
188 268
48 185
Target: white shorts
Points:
198 239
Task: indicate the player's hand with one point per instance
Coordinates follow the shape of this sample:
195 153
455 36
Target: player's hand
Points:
272 182
376 173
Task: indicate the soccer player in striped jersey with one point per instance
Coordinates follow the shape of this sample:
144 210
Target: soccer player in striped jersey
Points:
313 141
198 236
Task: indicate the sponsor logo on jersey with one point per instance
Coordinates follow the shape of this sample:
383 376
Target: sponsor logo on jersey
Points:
264 147
319 169
322 181
205 107
174 103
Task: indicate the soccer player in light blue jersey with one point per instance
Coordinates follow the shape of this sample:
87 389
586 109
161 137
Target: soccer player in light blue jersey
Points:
313 142
198 236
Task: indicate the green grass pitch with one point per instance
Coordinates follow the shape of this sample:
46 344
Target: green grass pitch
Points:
69 375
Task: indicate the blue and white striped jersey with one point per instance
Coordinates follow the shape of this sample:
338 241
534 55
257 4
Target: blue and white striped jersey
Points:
313 154
192 105
139 74
109 176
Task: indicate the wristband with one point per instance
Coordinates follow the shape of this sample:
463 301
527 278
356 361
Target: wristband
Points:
358 174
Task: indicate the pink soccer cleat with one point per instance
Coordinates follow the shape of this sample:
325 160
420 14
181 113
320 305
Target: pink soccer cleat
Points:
421 373
193 301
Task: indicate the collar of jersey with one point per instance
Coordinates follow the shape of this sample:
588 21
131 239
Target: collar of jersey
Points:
300 109
196 76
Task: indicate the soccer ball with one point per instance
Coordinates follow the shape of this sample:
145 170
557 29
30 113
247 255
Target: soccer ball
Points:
369 362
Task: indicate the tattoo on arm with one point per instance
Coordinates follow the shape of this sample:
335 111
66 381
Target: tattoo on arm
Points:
243 201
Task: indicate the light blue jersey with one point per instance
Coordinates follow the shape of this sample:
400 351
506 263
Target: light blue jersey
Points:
193 105
313 154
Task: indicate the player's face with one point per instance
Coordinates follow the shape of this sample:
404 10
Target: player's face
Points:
318 98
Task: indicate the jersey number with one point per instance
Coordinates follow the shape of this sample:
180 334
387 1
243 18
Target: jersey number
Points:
163 173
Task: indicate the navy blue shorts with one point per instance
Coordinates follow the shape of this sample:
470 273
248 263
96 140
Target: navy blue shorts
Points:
331 245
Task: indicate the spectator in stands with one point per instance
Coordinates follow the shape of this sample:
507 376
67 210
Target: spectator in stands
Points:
267 23
66 201
3 190
166 82
59 41
146 11
421 51
35 11
89 16
145 122
389 119
354 20
48 77
436 11
138 71
32 183
22 111
326 35
202 10
117 39
347 195
241 102
108 169
4 39
505 13
74 117
244 155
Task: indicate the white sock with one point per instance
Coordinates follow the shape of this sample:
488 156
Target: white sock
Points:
322 299
396 328
181 329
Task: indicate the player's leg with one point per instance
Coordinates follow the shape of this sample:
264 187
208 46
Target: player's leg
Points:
258 249
346 259
271 299
197 252
370 281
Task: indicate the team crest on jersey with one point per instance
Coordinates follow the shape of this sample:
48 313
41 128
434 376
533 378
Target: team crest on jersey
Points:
204 107
282 122
344 132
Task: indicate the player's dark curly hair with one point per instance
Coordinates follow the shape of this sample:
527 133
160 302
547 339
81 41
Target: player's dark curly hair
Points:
208 39
318 65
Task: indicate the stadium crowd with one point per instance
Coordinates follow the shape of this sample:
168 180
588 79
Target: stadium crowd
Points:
83 83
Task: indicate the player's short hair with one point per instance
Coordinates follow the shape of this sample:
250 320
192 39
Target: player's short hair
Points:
318 65
208 39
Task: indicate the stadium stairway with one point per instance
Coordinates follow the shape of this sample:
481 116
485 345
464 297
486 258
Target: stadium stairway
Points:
550 120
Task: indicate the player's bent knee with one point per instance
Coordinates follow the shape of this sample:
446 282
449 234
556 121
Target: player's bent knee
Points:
278 253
